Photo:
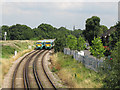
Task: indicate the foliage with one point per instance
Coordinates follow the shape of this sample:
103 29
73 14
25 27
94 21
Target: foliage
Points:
112 79
23 32
115 36
93 28
4 29
104 28
60 43
77 33
71 42
54 69
97 48
81 43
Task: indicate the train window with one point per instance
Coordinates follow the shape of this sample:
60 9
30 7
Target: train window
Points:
38 43
47 43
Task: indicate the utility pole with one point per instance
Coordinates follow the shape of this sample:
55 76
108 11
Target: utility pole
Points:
73 27
5 35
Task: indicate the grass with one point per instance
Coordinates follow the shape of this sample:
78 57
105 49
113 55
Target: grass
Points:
8 51
8 48
74 74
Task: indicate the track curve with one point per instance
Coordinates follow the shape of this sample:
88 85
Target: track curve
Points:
36 54
15 71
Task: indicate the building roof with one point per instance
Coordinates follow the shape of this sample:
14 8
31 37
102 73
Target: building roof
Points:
108 32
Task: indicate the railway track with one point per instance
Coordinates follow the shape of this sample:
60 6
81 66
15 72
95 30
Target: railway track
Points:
39 82
36 73
25 72
15 71
45 71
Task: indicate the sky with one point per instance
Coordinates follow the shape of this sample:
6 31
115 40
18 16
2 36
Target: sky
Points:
67 13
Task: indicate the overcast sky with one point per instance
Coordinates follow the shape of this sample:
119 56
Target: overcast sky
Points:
58 14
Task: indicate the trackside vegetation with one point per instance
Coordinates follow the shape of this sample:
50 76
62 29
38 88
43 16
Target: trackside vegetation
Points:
91 34
9 47
97 48
74 74
112 79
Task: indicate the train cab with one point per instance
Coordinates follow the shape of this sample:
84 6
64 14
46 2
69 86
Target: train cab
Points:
39 45
48 45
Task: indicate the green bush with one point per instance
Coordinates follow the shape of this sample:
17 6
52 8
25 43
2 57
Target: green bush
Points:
54 69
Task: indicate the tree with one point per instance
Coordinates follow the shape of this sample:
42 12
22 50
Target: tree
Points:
104 28
77 33
115 36
81 43
97 48
60 43
20 32
71 42
4 29
92 28
43 31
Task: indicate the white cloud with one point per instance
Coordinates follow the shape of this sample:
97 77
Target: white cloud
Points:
58 14
18 9
70 5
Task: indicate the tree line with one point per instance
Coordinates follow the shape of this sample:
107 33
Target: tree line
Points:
43 31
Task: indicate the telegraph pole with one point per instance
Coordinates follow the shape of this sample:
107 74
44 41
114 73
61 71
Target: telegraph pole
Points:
5 35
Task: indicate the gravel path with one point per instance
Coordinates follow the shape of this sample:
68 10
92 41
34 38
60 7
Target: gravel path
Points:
53 77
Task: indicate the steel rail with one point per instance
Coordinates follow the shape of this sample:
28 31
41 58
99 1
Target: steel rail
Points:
25 72
15 71
40 86
45 71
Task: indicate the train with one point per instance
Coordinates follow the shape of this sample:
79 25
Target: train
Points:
39 44
48 45
44 44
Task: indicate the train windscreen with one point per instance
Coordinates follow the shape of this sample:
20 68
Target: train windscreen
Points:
47 43
38 43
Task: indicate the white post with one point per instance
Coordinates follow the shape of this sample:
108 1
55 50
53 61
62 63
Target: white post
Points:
5 35
15 53
29 47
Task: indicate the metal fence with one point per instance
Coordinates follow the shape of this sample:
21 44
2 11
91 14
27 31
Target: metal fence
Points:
87 60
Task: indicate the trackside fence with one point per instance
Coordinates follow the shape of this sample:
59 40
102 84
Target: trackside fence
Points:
88 61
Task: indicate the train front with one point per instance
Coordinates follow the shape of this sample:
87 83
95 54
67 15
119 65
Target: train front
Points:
48 45
39 45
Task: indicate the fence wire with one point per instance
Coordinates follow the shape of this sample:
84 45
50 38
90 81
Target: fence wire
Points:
88 61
